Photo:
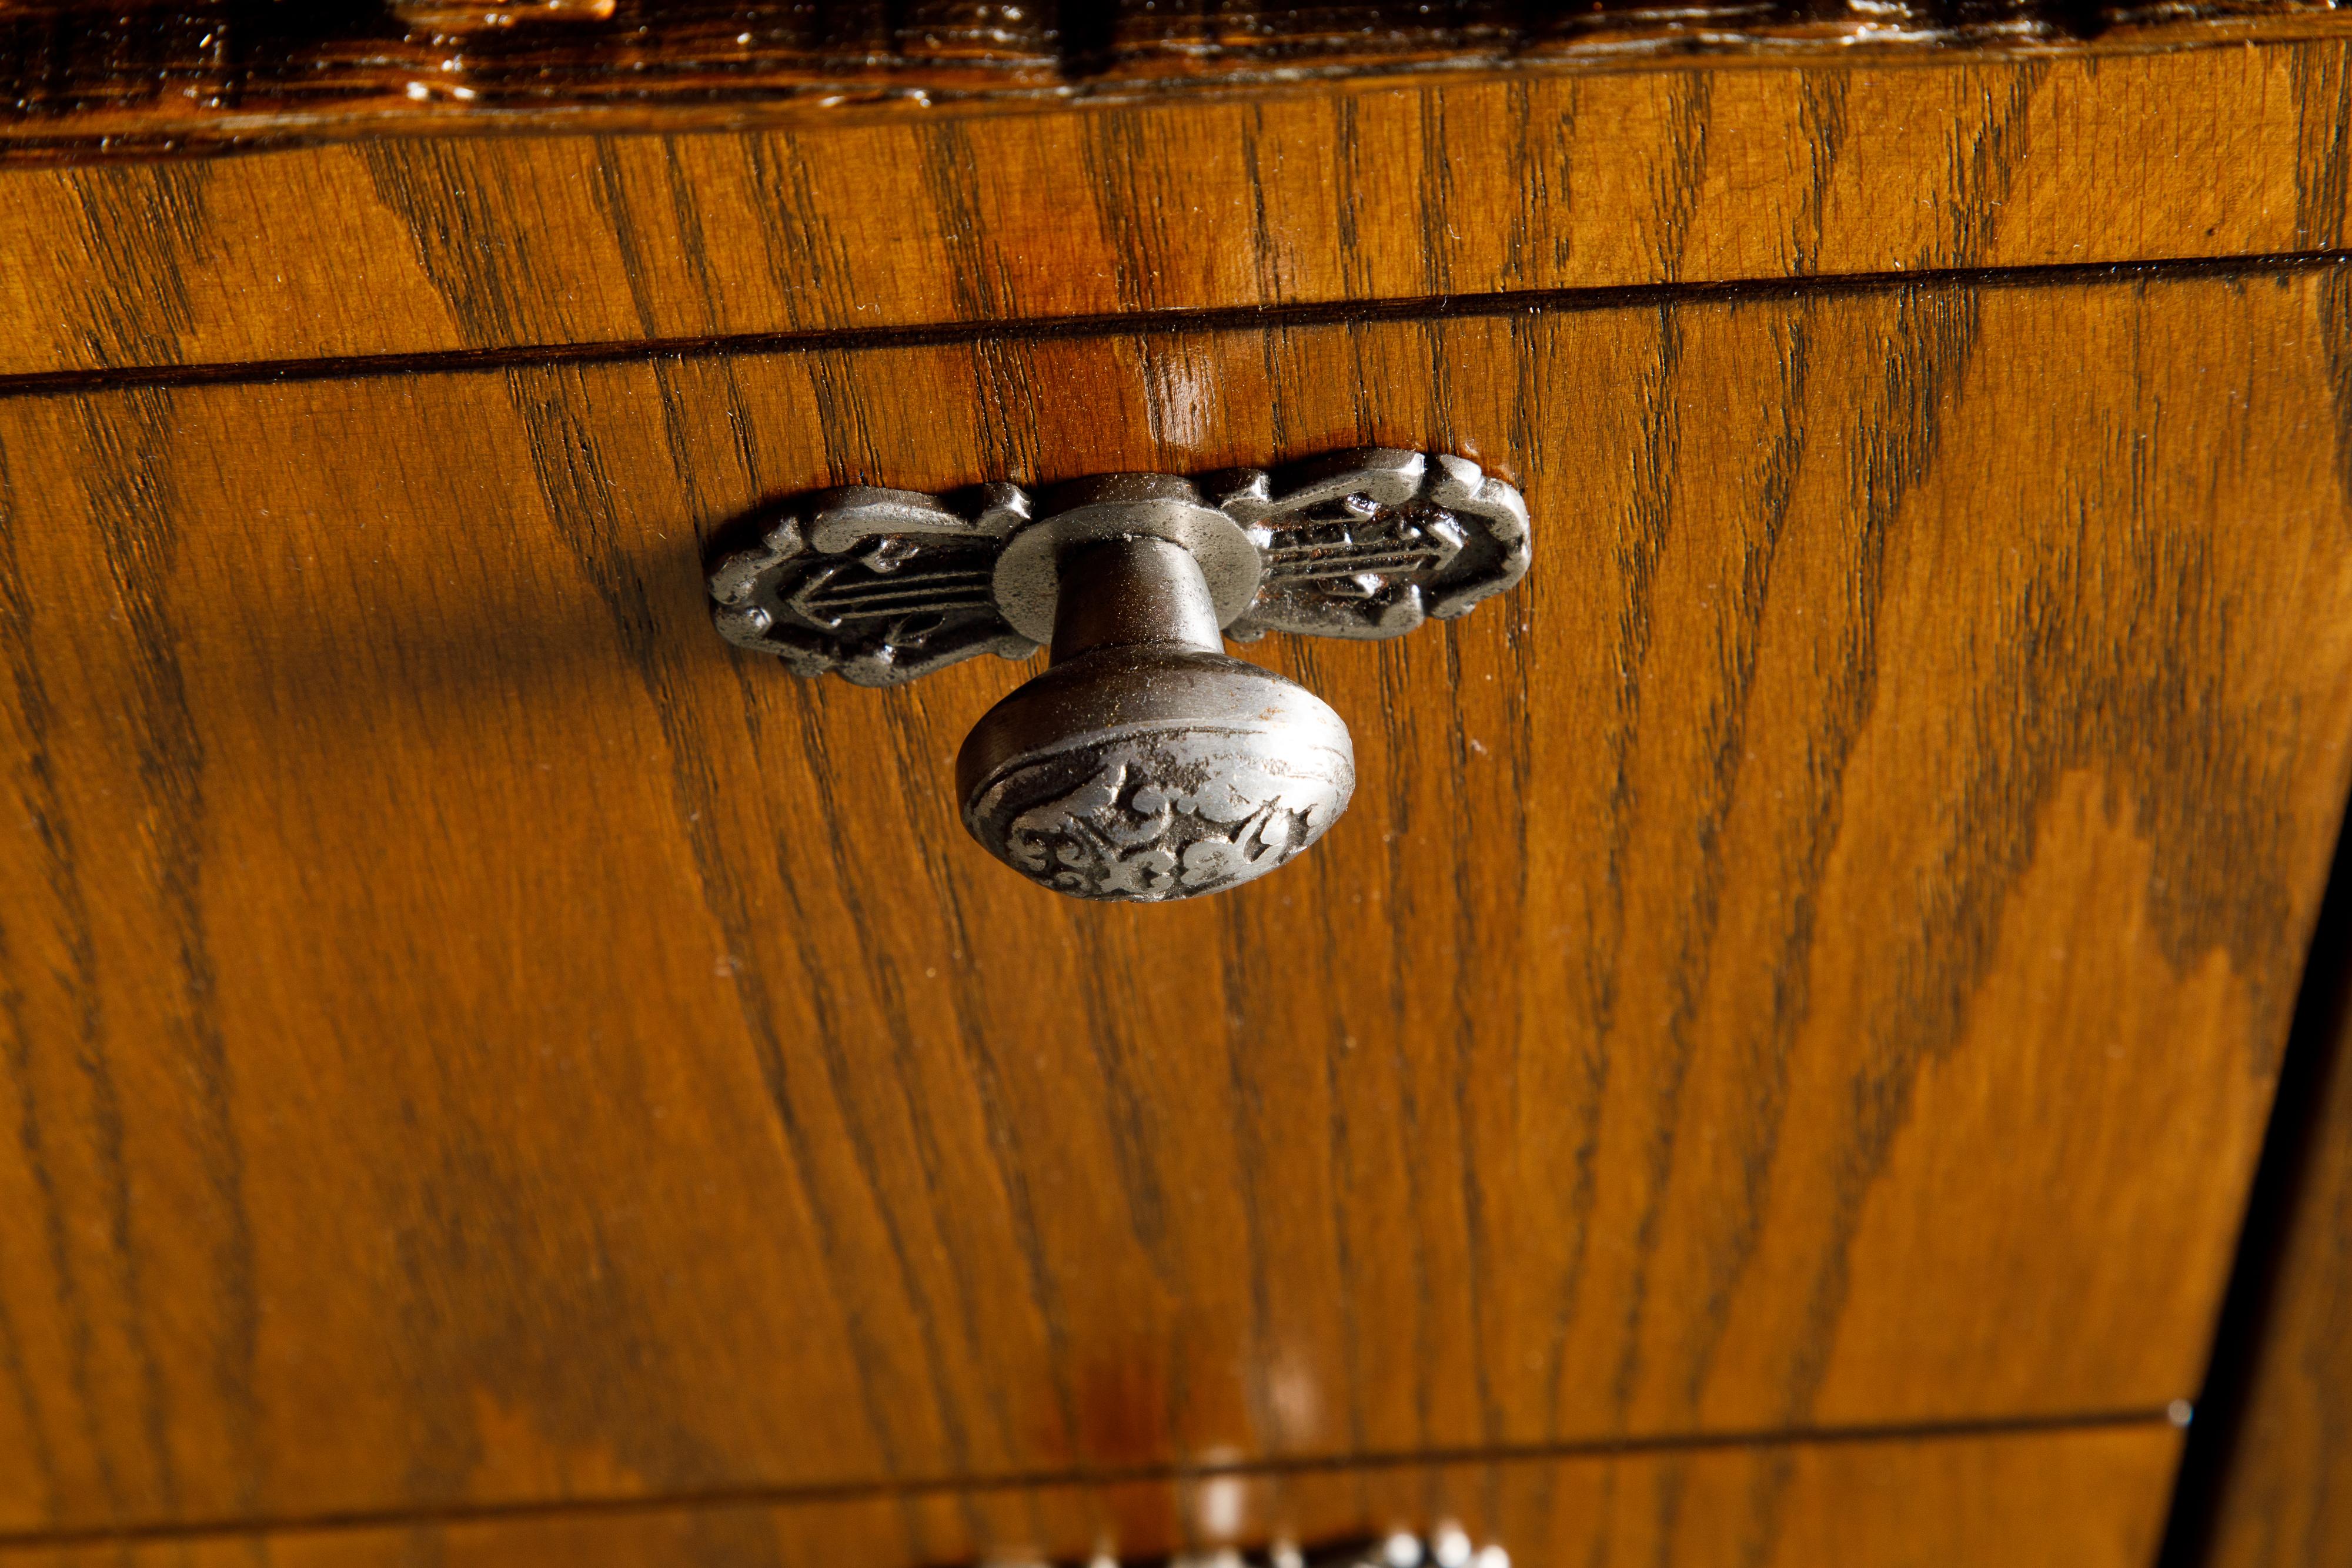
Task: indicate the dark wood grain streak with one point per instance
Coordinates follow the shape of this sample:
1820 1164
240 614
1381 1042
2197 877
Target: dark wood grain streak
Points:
138 529
1924 358
37 803
1355 195
1814 956
576 481
1725 741
2320 163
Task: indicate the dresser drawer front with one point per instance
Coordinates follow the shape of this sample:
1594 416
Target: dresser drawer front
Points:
1813 955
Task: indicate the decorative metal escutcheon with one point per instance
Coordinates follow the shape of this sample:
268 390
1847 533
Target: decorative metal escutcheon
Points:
1144 764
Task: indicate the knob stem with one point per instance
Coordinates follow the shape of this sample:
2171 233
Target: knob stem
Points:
1130 593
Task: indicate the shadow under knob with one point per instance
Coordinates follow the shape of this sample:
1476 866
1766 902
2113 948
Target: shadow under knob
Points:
1145 764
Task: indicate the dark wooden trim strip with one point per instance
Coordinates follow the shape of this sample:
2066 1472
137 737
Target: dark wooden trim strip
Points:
82 81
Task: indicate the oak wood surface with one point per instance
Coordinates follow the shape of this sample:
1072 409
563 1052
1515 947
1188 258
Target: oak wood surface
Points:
109 78
2066 1499
1814 955
2282 1494
1322 196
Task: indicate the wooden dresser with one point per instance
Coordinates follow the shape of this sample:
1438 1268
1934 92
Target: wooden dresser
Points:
1768 1071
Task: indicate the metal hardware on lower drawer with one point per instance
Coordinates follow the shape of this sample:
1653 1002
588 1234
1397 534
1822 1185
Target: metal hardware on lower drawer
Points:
1145 765
1447 1547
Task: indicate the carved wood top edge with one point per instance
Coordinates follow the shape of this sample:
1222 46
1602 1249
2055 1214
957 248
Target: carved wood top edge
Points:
88 81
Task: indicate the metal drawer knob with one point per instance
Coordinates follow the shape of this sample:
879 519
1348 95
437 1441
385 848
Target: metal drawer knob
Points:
1145 764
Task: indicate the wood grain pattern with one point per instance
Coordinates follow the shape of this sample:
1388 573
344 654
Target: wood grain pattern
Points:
1465 188
1814 956
2281 1494
2074 1500
88 80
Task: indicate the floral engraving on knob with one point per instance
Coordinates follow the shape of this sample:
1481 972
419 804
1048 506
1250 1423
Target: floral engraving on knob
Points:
1165 817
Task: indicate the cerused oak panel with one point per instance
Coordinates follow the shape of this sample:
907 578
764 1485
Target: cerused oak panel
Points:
2072 1500
1465 188
2283 1490
1814 955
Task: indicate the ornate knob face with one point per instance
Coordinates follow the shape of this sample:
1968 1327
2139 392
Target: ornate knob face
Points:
1145 765
1141 773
